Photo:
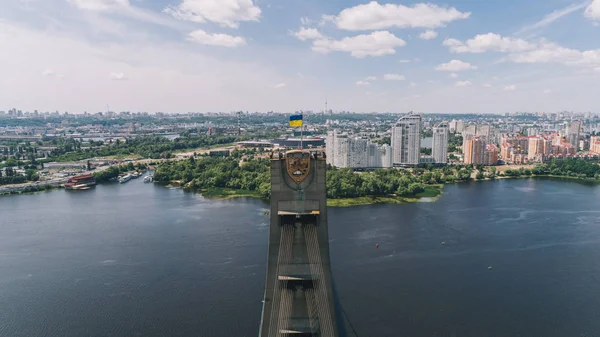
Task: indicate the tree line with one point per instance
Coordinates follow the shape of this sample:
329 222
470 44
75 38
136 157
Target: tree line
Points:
253 175
152 147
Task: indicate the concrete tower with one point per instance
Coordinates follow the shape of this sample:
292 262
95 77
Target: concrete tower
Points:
406 140
440 143
298 294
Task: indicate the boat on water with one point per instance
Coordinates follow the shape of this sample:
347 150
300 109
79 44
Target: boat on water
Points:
148 179
124 179
136 175
81 182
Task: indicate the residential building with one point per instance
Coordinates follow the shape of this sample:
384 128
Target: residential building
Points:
572 132
406 140
460 126
343 150
452 126
474 151
475 130
534 149
595 144
533 131
440 143
491 155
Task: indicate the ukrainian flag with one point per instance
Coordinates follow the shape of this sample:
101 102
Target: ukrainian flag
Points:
296 120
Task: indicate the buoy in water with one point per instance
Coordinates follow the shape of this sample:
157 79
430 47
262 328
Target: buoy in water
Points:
376 245
443 243
490 268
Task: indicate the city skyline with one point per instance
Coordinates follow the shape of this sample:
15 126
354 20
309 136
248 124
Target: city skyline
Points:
186 55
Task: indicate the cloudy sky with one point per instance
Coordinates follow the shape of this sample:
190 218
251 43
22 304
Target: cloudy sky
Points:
458 56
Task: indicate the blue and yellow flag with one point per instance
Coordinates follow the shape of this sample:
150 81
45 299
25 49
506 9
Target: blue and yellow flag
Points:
296 120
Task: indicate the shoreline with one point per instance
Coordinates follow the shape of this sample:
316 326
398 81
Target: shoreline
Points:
431 194
426 196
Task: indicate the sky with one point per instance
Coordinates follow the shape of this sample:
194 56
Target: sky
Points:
452 56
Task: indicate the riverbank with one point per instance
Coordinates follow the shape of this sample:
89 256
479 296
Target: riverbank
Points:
431 192
30 188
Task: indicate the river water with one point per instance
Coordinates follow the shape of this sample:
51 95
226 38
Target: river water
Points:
143 260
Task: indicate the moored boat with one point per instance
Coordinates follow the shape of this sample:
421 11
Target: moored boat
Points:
81 182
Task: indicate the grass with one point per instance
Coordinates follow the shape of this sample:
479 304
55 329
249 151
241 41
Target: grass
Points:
226 193
431 191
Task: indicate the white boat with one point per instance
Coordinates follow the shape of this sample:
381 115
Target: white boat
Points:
124 179
148 179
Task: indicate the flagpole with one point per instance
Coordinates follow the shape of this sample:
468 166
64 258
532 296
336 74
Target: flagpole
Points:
301 135
302 131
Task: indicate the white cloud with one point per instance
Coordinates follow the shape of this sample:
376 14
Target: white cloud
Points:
48 72
375 44
593 10
394 77
413 84
279 85
52 73
307 34
428 35
555 15
547 91
163 75
222 40
123 7
463 84
553 53
100 5
227 13
117 76
455 65
487 85
511 87
597 69
305 21
363 83
453 75
488 42
404 61
373 16
370 78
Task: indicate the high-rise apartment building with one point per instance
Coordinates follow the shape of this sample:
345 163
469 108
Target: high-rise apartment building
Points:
440 143
406 140
595 144
460 126
452 126
534 148
572 132
475 130
474 151
491 155
355 152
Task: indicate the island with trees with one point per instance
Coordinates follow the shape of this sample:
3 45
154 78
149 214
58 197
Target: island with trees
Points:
232 176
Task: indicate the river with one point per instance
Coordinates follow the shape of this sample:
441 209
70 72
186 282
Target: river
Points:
140 259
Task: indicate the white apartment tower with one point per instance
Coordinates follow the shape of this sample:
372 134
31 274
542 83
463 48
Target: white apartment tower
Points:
406 140
355 152
440 143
